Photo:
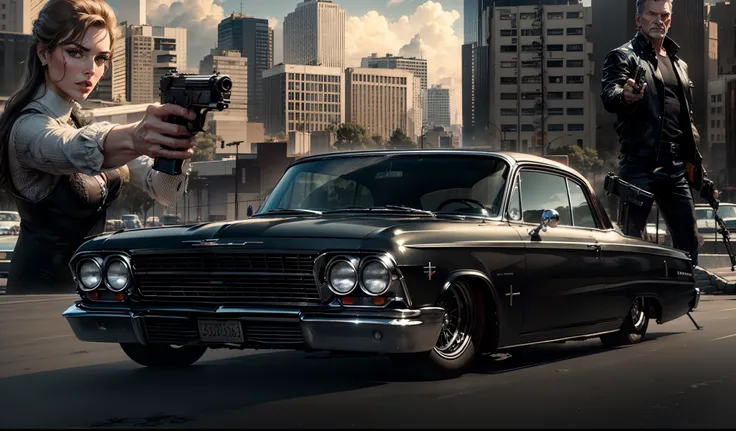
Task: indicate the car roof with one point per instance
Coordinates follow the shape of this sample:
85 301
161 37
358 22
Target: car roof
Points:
510 156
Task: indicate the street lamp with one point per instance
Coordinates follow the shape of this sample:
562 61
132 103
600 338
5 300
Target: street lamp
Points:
237 147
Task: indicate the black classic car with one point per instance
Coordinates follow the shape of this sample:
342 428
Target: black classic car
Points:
430 257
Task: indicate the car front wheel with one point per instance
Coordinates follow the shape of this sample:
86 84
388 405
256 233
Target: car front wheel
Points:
460 337
633 329
163 355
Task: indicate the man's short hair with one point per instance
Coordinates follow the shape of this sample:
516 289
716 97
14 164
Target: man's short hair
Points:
641 3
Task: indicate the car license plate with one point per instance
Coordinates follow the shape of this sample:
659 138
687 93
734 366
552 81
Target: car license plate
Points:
221 331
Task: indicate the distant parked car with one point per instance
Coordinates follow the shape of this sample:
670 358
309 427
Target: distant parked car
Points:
7 247
705 217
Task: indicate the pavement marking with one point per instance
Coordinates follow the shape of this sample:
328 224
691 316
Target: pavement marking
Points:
723 338
728 309
65 298
51 337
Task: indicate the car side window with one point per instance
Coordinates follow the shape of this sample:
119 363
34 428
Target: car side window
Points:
541 191
582 214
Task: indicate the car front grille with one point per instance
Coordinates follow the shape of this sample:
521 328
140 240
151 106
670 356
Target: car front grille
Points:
226 277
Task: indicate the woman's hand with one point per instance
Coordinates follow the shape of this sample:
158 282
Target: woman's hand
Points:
153 133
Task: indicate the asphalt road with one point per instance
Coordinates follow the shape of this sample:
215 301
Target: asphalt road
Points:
678 378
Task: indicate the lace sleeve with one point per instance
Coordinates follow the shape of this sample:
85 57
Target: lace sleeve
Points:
42 143
165 189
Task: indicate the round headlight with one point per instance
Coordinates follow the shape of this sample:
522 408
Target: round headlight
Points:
375 278
117 275
342 277
90 274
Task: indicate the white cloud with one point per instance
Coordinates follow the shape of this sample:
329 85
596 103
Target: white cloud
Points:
428 31
278 37
199 17
395 2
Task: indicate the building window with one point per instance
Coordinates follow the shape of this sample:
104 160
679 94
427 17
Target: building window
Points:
507 32
508 127
555 112
554 48
508 48
506 17
575 79
508 112
575 95
555 95
575 31
508 96
575 127
506 80
531 79
555 32
555 127
575 111
574 47
573 15
556 15
508 64
555 80
528 128
574 63
531 31
555 63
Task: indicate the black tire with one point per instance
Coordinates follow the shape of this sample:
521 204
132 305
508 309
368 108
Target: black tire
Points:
163 355
634 327
454 352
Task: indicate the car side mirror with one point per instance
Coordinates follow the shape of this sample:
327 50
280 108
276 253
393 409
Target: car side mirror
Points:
550 218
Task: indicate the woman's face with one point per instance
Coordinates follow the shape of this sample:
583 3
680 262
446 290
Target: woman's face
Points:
73 70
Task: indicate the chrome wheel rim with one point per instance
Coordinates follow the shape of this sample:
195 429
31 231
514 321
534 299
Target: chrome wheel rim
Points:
457 325
637 313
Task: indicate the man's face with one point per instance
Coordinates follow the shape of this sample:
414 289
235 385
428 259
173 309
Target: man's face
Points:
655 20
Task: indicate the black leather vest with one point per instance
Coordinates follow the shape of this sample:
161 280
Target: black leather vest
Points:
52 229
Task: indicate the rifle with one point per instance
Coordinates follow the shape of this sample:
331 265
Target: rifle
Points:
706 192
627 194
199 93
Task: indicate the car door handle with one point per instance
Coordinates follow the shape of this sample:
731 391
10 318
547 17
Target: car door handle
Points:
594 247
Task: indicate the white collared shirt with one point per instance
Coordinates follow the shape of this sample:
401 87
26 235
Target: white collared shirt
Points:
43 147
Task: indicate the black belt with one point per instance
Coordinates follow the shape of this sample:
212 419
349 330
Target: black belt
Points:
669 148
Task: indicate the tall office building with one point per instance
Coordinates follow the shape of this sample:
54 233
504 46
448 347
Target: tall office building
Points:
300 98
151 52
314 34
381 100
132 11
14 49
540 68
18 15
439 107
724 15
230 63
417 66
253 38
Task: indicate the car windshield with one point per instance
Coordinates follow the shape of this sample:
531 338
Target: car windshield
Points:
397 182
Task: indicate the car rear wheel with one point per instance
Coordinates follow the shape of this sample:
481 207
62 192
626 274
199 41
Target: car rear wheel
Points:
460 337
634 327
163 355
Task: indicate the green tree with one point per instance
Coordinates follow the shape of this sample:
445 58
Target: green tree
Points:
350 136
400 141
584 160
206 146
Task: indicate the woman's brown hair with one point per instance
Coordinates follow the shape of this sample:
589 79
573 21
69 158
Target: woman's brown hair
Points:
60 22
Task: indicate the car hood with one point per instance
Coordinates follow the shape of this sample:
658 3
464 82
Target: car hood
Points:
256 229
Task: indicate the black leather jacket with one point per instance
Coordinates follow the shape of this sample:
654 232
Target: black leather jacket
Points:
639 125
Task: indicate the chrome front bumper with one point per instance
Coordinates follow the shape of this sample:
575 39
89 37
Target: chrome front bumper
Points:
340 329
696 299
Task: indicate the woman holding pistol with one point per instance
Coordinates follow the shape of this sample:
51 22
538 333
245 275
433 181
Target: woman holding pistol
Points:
62 174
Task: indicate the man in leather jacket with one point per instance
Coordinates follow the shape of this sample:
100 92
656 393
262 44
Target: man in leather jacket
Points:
654 122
